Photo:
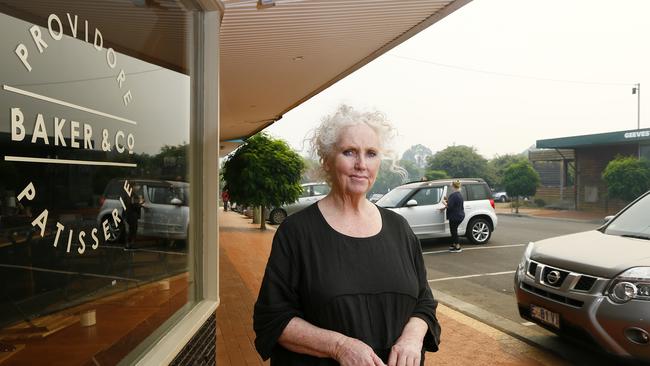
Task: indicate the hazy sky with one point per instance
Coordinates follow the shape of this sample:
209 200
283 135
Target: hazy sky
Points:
500 74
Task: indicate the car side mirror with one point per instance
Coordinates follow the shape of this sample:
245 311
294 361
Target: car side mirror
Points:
411 203
176 202
608 219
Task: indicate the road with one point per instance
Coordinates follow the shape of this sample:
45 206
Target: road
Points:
481 277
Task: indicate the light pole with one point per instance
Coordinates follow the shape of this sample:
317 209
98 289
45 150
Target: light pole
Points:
637 90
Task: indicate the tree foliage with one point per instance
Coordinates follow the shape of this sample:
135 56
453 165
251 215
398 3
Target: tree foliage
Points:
498 166
263 172
387 179
520 179
417 154
627 177
436 174
414 172
459 162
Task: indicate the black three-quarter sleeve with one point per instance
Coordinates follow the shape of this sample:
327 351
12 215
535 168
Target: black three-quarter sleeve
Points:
425 308
278 301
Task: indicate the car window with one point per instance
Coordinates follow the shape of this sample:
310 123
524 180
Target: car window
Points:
321 189
463 191
428 196
394 197
305 191
114 189
160 194
478 192
633 221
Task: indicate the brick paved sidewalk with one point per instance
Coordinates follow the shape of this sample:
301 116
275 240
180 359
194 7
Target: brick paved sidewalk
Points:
244 250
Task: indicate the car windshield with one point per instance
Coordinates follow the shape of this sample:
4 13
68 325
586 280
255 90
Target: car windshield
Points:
633 221
394 197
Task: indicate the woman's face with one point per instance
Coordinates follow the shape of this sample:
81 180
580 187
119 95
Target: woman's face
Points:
355 161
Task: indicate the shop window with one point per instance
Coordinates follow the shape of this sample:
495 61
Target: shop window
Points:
97 103
569 172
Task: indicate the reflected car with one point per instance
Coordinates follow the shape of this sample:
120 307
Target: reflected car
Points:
421 204
311 192
594 284
500 196
164 210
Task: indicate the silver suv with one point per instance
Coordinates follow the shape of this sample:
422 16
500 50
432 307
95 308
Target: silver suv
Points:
311 192
164 211
421 204
594 284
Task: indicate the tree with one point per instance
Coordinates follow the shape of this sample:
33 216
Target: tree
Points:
627 177
311 173
436 174
520 179
414 172
459 162
417 154
387 179
263 172
498 166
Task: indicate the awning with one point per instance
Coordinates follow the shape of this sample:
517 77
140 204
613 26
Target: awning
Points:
272 59
609 138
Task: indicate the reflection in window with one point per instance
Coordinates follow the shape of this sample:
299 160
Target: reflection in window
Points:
78 234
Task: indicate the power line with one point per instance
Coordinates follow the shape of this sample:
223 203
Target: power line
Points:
508 75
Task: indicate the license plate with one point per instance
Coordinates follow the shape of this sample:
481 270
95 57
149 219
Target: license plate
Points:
545 316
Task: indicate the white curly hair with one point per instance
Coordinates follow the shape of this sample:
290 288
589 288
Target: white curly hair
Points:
325 137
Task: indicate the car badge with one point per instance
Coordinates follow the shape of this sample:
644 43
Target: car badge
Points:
553 277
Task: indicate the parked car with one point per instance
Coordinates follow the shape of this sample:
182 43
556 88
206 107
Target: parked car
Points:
375 197
500 196
595 284
164 211
421 203
311 192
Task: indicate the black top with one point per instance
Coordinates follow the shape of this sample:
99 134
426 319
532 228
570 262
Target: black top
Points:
366 288
455 209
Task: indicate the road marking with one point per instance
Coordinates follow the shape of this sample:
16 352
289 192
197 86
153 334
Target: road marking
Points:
476 248
471 276
528 324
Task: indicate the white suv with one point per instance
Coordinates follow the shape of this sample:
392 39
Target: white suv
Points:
421 204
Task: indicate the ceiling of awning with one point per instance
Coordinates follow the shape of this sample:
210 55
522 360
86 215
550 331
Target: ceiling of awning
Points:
273 59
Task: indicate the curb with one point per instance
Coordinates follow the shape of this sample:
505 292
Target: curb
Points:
541 339
586 221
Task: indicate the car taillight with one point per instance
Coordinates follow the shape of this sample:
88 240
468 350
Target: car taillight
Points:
492 203
101 200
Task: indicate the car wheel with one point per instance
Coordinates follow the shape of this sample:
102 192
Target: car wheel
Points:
277 216
479 231
503 199
116 233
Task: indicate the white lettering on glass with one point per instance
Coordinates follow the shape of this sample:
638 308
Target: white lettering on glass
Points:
17 128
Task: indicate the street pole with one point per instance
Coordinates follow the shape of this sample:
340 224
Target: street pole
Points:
637 90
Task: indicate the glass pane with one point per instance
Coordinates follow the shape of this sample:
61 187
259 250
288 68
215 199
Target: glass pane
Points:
321 189
94 184
428 196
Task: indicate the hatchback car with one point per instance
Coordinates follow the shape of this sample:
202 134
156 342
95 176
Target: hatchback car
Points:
164 211
311 192
421 204
594 284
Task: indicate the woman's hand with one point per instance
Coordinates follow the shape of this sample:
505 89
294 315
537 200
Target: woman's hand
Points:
406 352
353 352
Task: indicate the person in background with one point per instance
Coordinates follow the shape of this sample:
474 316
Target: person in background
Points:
455 215
225 197
345 282
133 215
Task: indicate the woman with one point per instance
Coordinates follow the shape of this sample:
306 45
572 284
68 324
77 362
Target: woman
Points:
455 215
345 282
